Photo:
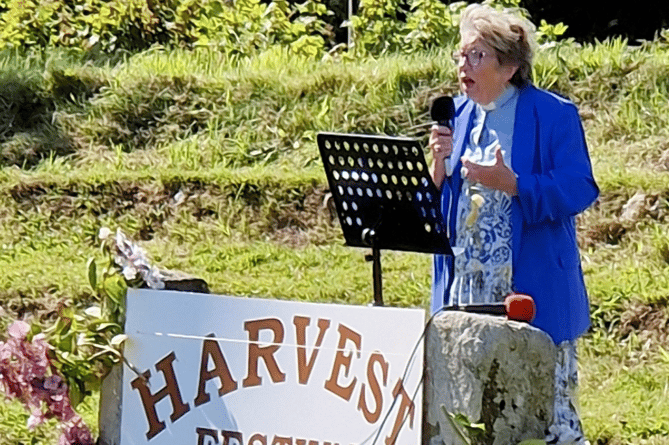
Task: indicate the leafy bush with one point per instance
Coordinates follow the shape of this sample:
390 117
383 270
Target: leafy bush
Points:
242 27
106 26
83 24
386 26
383 26
250 25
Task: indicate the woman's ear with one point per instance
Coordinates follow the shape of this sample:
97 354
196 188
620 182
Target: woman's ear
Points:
509 71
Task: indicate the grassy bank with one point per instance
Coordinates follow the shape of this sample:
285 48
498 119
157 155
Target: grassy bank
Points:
211 165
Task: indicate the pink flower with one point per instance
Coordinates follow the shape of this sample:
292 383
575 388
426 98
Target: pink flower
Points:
76 433
23 375
36 418
19 330
54 385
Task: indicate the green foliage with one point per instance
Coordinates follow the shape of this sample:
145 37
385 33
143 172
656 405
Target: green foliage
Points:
82 24
86 346
251 25
378 28
468 431
388 26
240 27
550 33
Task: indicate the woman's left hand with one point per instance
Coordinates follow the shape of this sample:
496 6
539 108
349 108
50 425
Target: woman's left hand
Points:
497 176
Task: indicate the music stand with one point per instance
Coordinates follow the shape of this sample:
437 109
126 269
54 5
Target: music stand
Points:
384 196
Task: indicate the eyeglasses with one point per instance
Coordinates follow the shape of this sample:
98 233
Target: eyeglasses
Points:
473 57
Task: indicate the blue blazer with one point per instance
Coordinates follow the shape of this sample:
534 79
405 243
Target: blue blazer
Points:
555 183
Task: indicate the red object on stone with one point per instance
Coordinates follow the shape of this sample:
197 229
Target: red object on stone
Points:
520 307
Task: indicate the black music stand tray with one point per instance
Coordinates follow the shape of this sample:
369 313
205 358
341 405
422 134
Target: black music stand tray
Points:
384 196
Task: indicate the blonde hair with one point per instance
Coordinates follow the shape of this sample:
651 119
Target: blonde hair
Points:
511 36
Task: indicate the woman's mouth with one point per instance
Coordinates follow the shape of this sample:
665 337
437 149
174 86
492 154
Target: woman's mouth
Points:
467 82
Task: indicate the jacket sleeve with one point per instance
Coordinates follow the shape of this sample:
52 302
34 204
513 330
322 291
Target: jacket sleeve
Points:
561 183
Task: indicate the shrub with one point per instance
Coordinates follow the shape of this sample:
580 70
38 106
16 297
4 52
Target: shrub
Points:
83 24
134 25
383 26
240 27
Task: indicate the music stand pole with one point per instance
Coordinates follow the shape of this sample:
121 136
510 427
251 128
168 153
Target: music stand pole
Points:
369 235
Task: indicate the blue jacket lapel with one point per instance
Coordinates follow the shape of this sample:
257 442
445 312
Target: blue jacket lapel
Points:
463 123
524 133
522 155
464 112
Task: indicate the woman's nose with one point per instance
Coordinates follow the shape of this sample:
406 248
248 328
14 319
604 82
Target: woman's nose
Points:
463 66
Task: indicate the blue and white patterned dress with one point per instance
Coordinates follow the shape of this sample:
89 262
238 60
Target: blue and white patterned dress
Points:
482 271
566 428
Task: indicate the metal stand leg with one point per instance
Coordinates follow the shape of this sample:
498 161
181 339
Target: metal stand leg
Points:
369 237
376 271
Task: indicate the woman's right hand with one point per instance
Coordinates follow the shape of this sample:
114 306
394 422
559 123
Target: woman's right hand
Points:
441 142
441 146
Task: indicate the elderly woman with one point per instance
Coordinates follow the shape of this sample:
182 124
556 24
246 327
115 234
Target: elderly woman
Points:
513 173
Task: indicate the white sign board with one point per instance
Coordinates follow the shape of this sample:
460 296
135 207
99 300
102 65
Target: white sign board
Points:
242 371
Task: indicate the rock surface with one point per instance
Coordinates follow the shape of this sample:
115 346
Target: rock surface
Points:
111 399
490 371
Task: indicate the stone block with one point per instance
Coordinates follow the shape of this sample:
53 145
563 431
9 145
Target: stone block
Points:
490 371
111 399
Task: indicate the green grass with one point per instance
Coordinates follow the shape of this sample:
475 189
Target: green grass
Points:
624 402
211 165
15 417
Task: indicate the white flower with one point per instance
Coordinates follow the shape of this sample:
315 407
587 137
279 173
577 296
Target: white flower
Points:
154 279
129 272
179 198
104 233
94 311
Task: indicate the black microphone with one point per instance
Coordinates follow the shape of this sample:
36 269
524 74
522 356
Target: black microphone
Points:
442 110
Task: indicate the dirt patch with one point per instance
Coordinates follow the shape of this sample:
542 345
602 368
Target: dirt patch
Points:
290 215
27 134
305 220
615 215
41 305
647 321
